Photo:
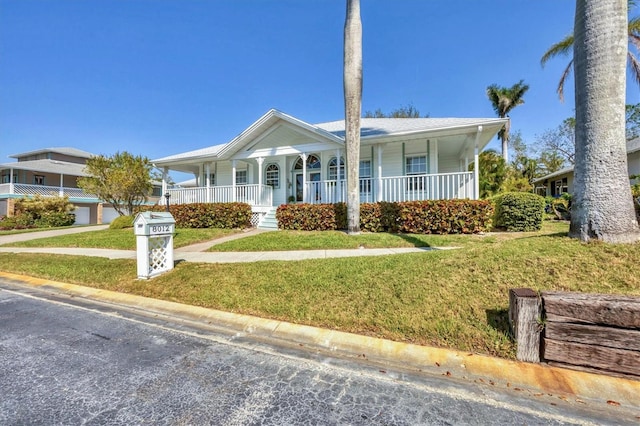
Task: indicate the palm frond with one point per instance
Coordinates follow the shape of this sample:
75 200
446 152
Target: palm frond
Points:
634 64
563 47
565 74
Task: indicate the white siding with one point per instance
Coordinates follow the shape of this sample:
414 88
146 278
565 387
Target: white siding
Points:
449 165
418 147
279 194
223 174
392 160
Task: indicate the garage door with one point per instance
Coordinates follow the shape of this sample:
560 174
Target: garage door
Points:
83 215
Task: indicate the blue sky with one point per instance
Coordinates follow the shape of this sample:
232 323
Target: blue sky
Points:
159 77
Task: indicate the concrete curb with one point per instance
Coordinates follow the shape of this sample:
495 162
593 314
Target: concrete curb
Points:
518 376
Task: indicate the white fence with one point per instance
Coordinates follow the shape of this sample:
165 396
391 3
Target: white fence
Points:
442 186
45 191
254 195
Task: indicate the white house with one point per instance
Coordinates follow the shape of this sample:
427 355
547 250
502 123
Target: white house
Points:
557 183
280 159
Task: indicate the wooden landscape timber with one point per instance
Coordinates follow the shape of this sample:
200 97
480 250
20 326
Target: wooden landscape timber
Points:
590 332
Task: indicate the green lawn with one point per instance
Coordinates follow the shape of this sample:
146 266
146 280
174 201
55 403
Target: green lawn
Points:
455 298
121 239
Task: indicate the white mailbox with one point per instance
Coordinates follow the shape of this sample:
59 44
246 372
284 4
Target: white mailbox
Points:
154 241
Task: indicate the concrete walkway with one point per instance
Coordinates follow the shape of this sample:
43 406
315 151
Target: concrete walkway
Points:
197 252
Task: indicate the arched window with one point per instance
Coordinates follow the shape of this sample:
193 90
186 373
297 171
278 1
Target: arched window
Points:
313 162
272 175
333 168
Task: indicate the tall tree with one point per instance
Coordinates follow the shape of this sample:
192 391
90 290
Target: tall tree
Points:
602 207
503 100
560 141
633 121
408 111
492 172
565 48
352 80
123 180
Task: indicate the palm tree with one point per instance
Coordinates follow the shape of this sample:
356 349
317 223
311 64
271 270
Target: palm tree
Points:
503 100
352 80
602 207
565 47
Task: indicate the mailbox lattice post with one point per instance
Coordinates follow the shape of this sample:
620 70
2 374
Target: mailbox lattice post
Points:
154 242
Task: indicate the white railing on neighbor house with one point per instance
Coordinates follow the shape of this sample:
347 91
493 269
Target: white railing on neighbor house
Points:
45 191
254 195
442 186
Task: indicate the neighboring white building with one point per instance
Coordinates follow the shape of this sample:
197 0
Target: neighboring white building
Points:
280 159
52 172
557 183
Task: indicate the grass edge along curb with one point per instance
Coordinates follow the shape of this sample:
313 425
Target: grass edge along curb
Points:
439 361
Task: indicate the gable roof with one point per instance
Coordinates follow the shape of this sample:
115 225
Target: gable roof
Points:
372 130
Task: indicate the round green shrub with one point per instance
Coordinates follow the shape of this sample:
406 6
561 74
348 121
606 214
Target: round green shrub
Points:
518 211
122 222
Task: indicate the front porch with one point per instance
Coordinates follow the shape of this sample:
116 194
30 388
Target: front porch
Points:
437 186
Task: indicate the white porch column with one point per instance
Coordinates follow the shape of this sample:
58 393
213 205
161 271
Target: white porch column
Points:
61 190
233 179
476 166
11 189
433 156
304 177
165 174
379 188
207 171
260 162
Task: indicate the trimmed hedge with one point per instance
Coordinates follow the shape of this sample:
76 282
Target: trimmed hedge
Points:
415 217
312 217
210 215
519 211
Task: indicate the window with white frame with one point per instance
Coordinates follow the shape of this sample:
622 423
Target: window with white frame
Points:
272 175
333 169
365 176
241 177
415 166
313 162
212 179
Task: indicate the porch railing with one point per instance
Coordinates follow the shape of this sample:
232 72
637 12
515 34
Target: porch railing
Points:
45 191
254 195
441 186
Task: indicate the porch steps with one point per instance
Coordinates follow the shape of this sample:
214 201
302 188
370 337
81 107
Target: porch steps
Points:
269 221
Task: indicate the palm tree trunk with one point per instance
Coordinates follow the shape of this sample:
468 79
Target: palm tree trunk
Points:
352 109
602 208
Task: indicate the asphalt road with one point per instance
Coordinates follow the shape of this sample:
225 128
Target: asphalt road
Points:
70 361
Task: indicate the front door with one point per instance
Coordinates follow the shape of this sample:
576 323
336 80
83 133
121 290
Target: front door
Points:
315 187
299 187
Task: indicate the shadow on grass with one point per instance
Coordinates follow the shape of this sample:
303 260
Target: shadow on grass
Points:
416 242
499 320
